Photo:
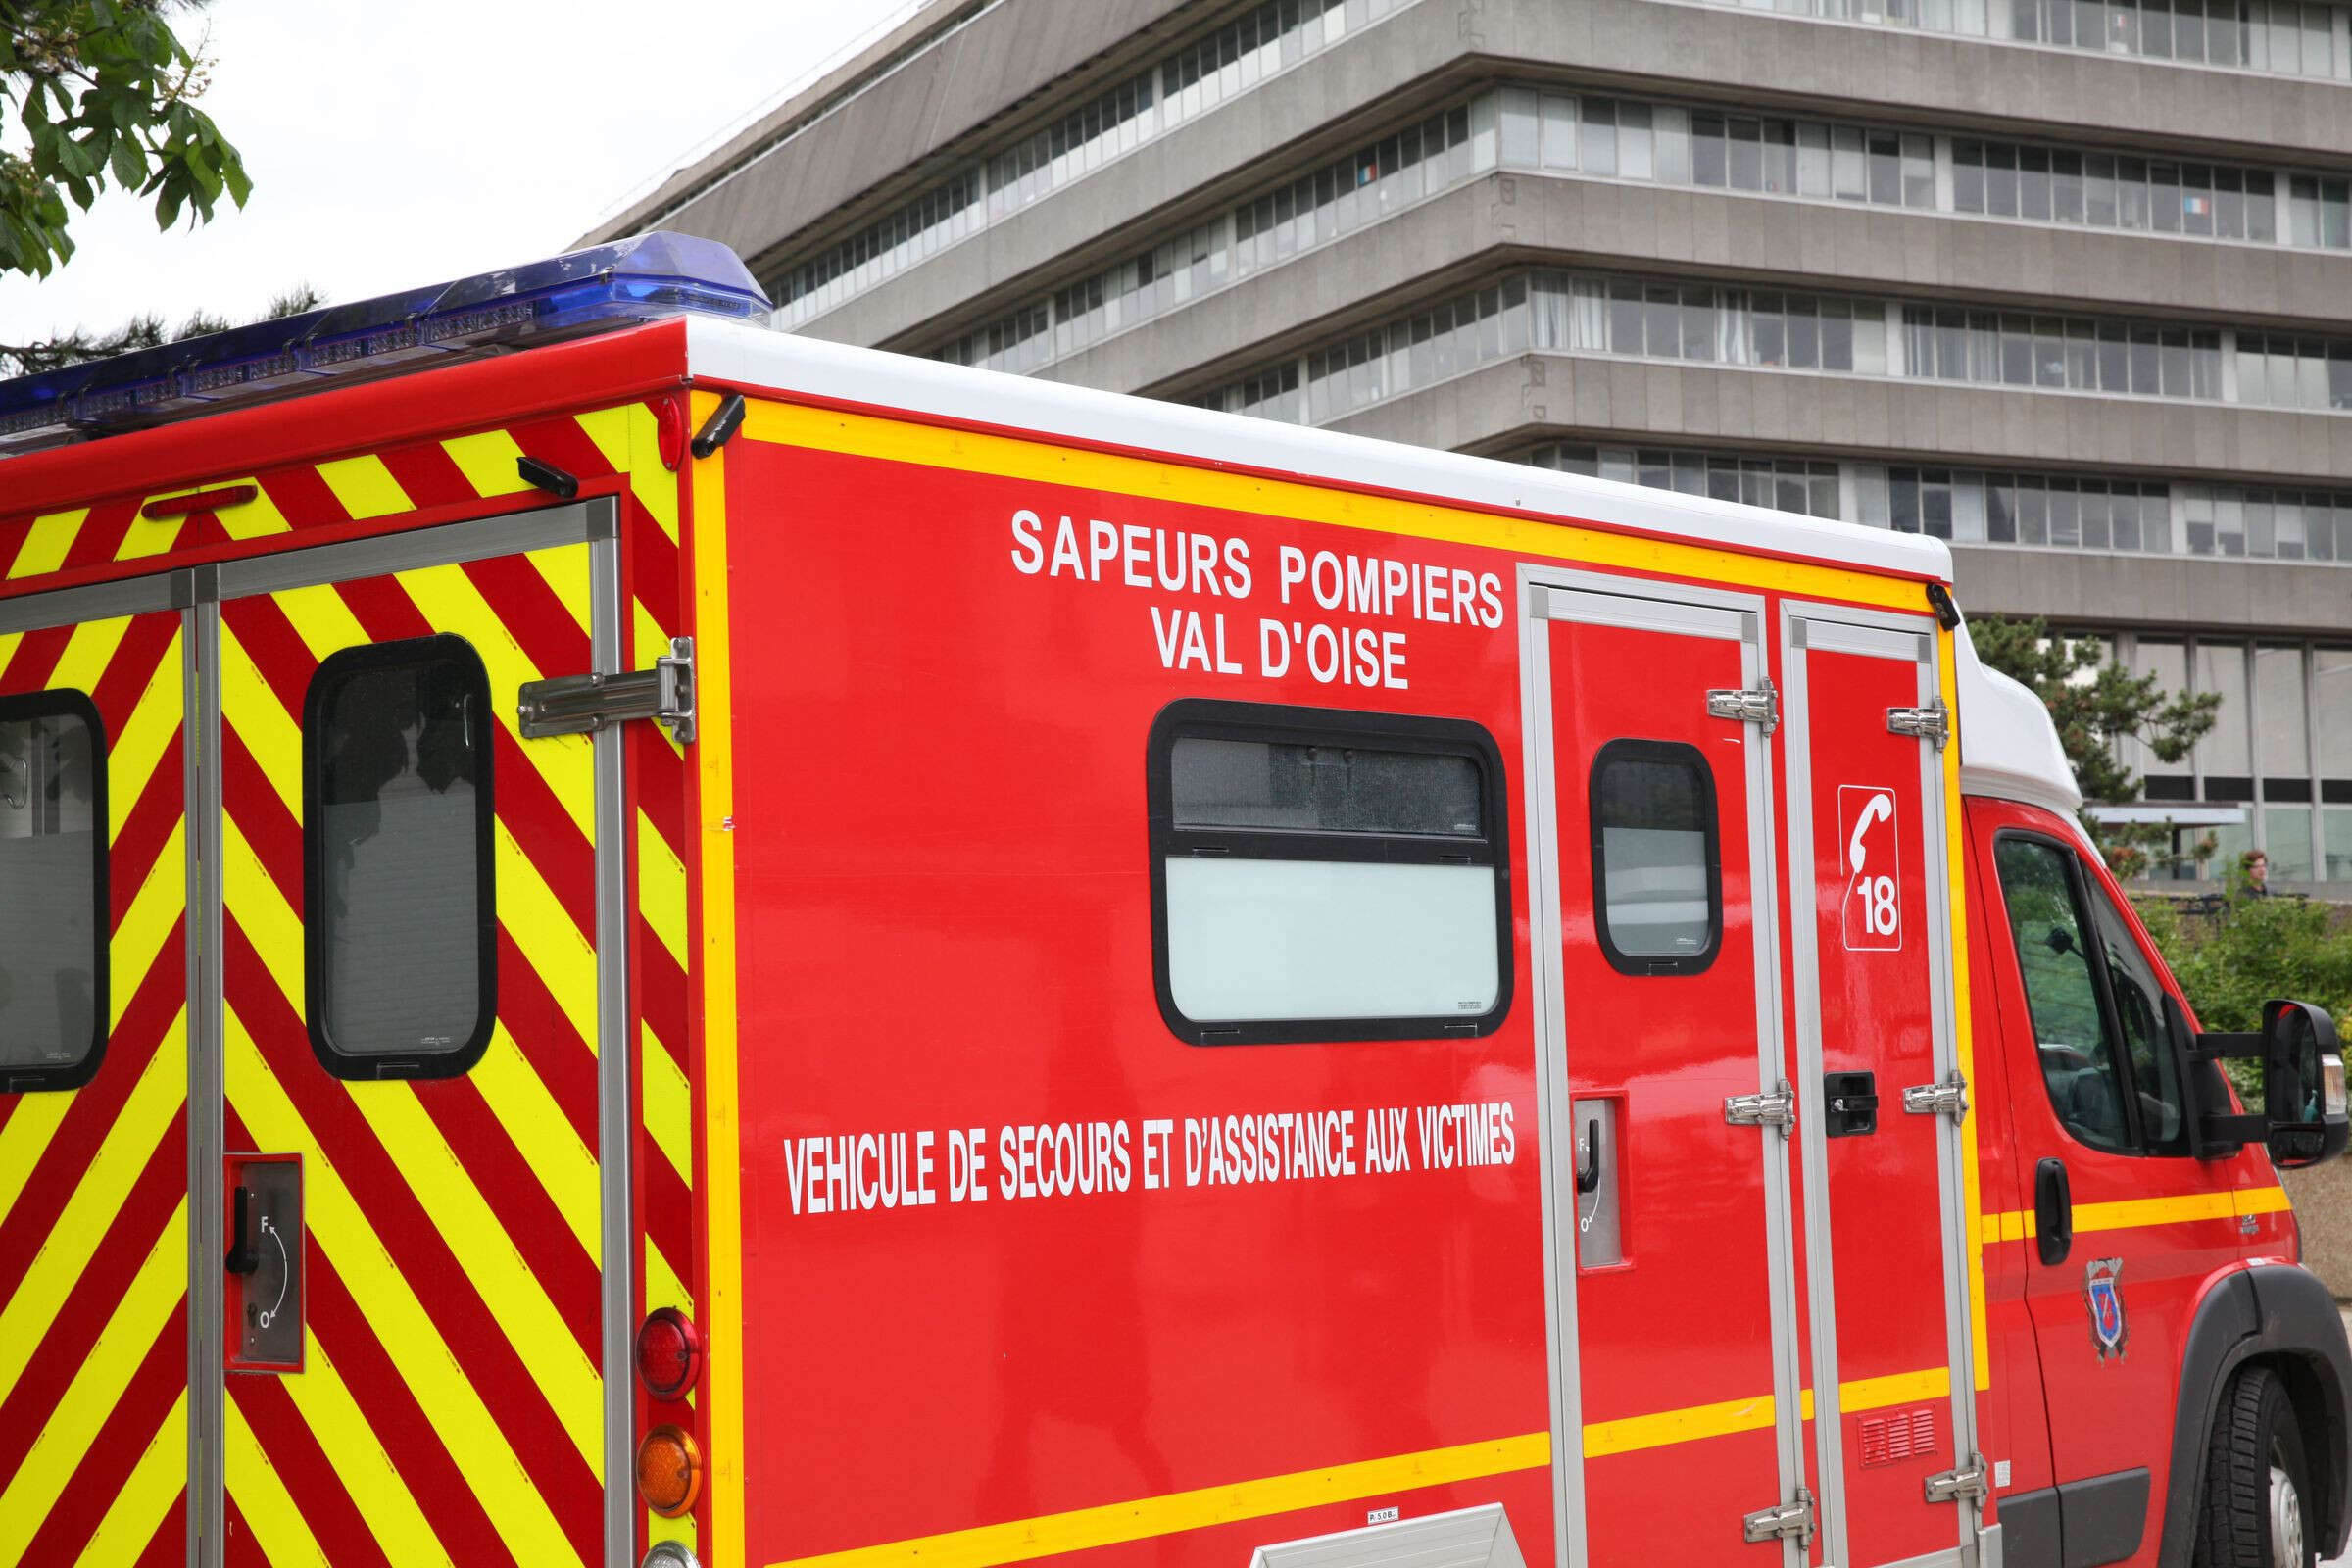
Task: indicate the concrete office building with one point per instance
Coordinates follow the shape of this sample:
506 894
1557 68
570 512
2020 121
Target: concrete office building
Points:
2066 281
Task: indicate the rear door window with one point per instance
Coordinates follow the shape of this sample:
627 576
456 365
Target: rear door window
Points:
54 919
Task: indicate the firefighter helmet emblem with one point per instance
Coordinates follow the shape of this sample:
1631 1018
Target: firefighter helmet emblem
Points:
2103 1289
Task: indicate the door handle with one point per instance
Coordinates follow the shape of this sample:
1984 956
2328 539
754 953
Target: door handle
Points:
2053 1211
242 1259
1587 1165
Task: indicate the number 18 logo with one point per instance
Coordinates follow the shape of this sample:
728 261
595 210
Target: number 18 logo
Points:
1869 838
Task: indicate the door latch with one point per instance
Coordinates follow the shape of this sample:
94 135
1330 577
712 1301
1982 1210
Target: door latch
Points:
576 705
1946 1099
1966 1483
1789 1521
1933 722
1758 705
1773 1108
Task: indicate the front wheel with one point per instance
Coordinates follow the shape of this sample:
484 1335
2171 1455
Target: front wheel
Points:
2254 1512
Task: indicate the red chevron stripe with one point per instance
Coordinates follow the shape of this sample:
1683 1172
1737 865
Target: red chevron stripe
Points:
562 442
661 992
153 1007
668 1210
35 659
134 663
413 1239
532 613
240 1549
129 1236
310 1479
428 475
408 1437
102 534
133 857
524 1207
269 638
121 1441
557 1054
661 778
654 571
261 816
167 1547
303 498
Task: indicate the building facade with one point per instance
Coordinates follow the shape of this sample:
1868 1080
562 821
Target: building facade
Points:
2066 282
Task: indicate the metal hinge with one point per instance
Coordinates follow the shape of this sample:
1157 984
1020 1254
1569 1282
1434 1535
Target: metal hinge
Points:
1946 1099
1754 704
1777 1108
1790 1521
575 705
1933 722
1951 1486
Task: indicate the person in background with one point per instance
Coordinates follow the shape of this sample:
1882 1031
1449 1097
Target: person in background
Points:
2255 867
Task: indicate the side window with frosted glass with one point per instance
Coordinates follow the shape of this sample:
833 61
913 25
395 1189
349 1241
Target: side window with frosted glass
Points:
399 905
54 916
1657 868
1326 875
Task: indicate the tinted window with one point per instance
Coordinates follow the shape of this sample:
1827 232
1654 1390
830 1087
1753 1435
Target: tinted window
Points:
1323 875
2139 1023
53 893
2077 1062
1656 872
397 811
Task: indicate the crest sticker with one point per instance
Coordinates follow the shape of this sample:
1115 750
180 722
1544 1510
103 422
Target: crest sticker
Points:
2103 1291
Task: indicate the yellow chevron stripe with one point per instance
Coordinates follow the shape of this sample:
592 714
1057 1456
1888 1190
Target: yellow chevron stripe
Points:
662 889
544 931
566 572
663 1287
261 1495
609 428
154 910
448 599
149 536
133 754
340 1225
9 642
46 543
487 461
262 913
258 519
365 487
630 440
668 1107
487 1257
544 1136
260 721
138 1510
129 1332
321 619
25 1139
357 1456
146 1117
88 651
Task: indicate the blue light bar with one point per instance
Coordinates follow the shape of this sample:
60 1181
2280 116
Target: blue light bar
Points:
640 279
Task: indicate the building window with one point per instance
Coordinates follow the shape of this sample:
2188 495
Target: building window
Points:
400 878
1326 875
53 941
1657 871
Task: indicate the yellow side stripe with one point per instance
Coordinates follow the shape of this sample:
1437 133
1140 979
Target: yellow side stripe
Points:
365 487
2135 1213
277 1526
452 1406
73 1426
1023 1540
1902 1387
356 1456
1009 457
146 1117
1687 1425
154 1485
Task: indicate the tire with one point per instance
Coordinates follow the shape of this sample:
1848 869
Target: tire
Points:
2255 1511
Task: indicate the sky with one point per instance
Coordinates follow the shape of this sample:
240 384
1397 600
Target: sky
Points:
401 144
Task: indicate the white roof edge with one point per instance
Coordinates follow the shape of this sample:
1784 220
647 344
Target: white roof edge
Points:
760 357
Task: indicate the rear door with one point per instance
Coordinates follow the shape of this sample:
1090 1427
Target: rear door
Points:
94 1213
414 998
1885 1217
1676 1413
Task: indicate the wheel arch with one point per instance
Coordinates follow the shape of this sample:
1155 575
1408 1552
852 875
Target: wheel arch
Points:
2281 1315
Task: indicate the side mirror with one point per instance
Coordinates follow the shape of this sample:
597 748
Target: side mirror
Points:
2212 1110
2303 1080
2303 1118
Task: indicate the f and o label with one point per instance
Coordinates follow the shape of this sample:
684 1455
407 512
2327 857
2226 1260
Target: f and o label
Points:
1870 840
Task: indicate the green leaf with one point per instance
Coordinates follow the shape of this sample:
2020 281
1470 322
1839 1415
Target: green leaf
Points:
207 181
166 209
130 164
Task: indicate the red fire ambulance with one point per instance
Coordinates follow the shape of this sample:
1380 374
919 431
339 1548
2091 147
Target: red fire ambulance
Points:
631 940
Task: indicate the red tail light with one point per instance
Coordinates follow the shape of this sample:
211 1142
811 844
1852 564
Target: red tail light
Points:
670 1353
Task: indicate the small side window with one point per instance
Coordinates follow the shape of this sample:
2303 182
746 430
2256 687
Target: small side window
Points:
53 908
1326 875
1657 866
399 890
